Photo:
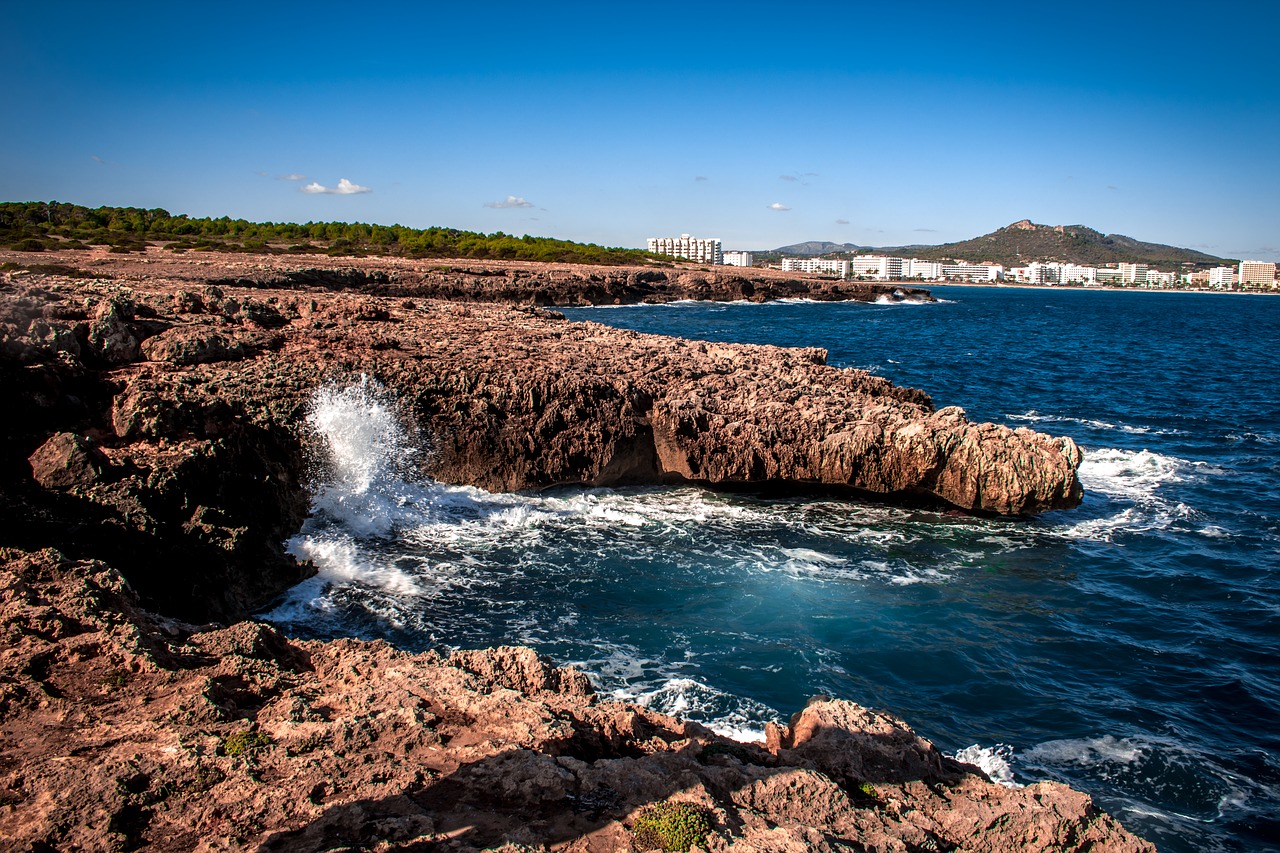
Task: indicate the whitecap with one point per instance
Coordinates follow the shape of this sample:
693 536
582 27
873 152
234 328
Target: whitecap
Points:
686 698
1034 416
992 760
1084 751
1135 475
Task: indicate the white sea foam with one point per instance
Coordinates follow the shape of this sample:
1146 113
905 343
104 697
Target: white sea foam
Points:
1033 416
992 760
687 698
1135 475
886 299
1085 751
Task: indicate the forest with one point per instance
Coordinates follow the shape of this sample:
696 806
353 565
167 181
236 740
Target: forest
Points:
40 226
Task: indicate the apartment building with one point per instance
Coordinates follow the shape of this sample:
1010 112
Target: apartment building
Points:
738 259
818 265
973 272
1257 272
702 250
1222 277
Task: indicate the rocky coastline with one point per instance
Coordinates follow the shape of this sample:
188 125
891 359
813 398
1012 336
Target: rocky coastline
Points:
160 460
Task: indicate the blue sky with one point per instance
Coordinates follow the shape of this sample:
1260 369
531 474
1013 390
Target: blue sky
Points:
761 124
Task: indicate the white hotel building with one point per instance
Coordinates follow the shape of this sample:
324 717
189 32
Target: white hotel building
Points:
818 265
738 259
702 250
1257 272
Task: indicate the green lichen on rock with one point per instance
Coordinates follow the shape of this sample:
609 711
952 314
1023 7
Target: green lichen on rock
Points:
243 742
671 826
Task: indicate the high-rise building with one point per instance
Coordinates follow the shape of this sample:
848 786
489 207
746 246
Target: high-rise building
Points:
1222 277
702 250
1133 273
1257 272
738 259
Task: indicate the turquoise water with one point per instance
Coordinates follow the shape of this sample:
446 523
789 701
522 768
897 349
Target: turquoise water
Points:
1130 647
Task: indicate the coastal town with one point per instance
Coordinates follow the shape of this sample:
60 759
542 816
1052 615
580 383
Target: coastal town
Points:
1247 275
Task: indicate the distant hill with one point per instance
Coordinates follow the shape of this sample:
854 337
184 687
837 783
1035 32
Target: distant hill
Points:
819 247
1026 241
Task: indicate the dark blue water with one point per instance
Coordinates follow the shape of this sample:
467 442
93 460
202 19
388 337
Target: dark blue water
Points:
1130 648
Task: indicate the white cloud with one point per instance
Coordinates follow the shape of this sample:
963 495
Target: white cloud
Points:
509 202
791 178
702 178
777 205
293 177
842 222
95 158
344 187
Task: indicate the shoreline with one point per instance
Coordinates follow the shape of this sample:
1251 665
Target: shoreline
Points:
166 429
1045 287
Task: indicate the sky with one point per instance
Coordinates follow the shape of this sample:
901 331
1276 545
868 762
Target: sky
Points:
763 124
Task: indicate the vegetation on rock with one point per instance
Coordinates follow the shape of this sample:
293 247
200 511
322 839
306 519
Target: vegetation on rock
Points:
37 226
671 826
244 742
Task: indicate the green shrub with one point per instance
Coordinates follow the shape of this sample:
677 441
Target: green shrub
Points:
243 742
671 826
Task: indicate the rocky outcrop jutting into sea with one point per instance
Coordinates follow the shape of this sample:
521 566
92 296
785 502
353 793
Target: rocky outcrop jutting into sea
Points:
159 464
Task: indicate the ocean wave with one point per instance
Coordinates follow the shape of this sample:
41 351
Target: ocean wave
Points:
992 760
885 299
1151 776
1033 416
1134 475
689 699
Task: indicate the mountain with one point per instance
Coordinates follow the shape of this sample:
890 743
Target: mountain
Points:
1026 241
819 247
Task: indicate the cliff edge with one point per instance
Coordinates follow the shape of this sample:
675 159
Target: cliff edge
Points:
159 462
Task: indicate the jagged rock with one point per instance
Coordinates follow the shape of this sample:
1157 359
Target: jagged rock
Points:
852 744
110 334
198 345
66 460
523 670
121 730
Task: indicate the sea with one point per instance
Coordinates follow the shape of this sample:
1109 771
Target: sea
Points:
1129 647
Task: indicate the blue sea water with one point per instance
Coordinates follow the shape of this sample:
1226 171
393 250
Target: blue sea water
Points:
1130 647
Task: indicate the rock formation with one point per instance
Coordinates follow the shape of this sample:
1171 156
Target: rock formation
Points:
120 730
173 418
158 464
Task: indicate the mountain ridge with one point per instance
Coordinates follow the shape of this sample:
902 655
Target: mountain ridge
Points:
1025 241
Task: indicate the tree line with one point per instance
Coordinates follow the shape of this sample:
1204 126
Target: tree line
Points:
37 226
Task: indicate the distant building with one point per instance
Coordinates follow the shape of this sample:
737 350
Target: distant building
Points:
1221 277
878 267
924 270
1155 278
1108 275
1133 273
821 265
738 259
973 272
702 250
1076 274
1257 272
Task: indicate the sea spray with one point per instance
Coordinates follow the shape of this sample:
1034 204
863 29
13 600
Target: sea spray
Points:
366 453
